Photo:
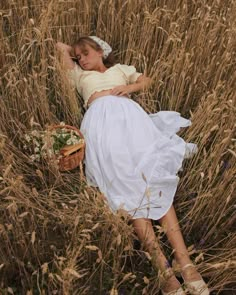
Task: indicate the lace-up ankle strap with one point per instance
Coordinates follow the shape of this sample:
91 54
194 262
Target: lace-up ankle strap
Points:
187 266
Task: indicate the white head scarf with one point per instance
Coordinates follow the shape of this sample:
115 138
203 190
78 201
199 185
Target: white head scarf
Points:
104 45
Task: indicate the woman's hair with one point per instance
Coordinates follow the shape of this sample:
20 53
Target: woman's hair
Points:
109 61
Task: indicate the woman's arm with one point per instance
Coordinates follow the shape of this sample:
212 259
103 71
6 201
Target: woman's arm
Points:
142 83
66 51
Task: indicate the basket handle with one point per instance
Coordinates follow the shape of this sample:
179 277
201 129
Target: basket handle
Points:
66 151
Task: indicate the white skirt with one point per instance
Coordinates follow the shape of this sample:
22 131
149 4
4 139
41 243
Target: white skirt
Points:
134 157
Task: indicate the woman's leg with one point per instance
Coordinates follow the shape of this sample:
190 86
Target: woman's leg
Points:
143 228
171 225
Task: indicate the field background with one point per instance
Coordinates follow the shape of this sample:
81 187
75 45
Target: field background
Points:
57 235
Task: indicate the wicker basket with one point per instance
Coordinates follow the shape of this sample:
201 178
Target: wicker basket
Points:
70 156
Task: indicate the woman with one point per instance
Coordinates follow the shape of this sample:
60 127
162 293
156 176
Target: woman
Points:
132 157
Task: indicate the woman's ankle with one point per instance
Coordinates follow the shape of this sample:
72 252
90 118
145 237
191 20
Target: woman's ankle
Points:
169 284
182 259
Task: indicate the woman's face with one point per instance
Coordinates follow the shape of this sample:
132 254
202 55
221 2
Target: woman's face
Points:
88 58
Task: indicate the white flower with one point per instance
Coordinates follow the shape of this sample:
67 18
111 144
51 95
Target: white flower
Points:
50 153
35 133
36 142
27 137
34 157
44 154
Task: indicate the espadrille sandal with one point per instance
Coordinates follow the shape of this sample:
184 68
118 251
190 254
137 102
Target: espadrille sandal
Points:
198 287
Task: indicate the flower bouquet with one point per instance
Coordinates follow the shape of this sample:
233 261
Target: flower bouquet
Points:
62 142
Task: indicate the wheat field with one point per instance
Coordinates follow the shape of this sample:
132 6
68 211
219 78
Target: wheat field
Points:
57 234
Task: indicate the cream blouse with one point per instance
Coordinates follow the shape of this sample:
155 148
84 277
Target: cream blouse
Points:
89 82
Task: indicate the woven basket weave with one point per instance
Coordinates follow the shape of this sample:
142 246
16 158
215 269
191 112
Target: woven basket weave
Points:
75 153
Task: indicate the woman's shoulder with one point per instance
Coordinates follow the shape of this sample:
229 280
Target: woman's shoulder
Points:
126 69
123 65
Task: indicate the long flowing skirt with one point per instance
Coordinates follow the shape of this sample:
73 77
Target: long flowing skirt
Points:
134 157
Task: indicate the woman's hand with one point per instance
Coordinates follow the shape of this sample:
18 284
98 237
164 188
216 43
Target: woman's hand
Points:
121 90
141 83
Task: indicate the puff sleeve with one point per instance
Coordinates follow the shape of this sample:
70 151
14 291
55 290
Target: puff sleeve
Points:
130 73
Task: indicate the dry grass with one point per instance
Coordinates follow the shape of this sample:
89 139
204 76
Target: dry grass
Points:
57 235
